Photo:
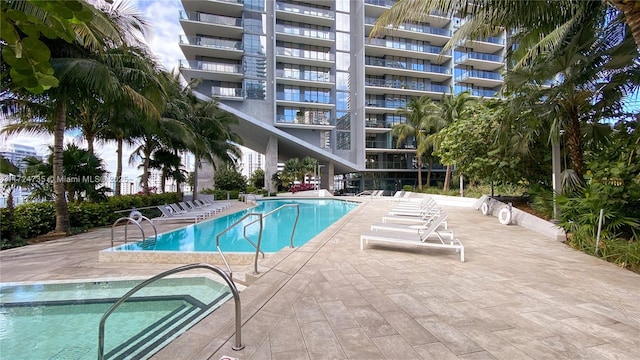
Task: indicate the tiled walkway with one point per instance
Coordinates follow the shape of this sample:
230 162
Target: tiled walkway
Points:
519 295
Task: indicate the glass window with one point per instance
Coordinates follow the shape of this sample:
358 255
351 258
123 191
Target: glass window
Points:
343 6
343 41
343 61
343 141
255 5
254 44
255 89
342 80
343 21
254 23
342 100
255 67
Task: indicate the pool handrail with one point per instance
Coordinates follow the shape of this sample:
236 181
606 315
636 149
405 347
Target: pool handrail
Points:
131 220
251 242
234 291
295 224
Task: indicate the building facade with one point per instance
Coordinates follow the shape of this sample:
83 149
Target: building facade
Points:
305 79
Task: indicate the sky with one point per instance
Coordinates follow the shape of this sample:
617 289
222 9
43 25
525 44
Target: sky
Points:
163 40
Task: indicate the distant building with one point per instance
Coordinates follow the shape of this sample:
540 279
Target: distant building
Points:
15 153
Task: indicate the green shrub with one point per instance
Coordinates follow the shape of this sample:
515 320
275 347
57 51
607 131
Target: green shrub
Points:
34 219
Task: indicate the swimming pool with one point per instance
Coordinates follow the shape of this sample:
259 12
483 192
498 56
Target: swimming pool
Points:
315 216
60 320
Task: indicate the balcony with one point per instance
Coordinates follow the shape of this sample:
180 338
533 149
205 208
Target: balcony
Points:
211 70
489 45
411 88
222 7
193 46
304 35
308 78
388 146
304 57
306 119
194 22
382 47
305 14
305 99
434 35
377 7
477 92
227 93
480 78
380 67
481 61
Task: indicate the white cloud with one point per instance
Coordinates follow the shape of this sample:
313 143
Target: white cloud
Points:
163 38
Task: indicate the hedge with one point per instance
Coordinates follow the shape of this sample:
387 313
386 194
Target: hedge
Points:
34 219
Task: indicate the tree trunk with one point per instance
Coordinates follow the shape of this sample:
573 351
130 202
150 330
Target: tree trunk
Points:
62 210
163 180
447 179
10 217
631 11
428 174
145 171
419 162
574 145
194 191
118 190
90 141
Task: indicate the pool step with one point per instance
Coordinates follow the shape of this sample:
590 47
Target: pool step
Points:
149 338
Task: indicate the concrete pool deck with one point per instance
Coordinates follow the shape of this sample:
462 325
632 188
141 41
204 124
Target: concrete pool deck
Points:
519 295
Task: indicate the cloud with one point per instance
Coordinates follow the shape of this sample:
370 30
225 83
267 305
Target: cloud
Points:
164 36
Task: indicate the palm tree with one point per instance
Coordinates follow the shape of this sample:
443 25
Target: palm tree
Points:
420 124
91 65
449 109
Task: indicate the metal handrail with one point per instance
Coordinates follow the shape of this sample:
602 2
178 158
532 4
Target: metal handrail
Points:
130 220
234 290
229 228
244 234
295 224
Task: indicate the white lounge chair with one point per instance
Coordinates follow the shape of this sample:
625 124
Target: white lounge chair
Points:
168 215
431 225
422 239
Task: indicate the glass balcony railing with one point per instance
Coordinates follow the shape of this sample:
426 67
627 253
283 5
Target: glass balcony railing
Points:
493 40
211 42
405 65
387 144
211 66
305 10
210 18
386 3
421 28
479 74
479 56
305 75
409 85
301 31
226 91
307 98
232 1
477 92
402 45
303 120
305 54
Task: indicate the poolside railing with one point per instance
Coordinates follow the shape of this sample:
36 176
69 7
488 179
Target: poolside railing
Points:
244 233
234 291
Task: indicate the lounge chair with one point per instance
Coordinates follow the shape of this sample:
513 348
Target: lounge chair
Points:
414 220
432 225
168 215
423 238
191 208
415 212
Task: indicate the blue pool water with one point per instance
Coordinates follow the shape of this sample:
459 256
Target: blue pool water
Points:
60 321
315 216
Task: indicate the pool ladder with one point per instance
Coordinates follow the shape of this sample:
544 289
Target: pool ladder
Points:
244 234
135 217
234 291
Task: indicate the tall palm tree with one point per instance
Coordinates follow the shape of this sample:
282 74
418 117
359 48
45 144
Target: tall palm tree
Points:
84 68
419 125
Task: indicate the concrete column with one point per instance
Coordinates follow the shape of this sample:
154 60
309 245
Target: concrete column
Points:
327 171
271 163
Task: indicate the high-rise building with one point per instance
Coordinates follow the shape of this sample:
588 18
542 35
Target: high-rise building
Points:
15 153
305 79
